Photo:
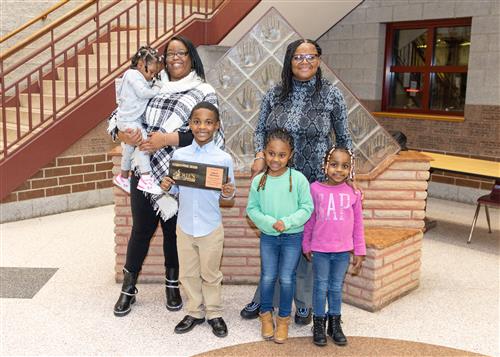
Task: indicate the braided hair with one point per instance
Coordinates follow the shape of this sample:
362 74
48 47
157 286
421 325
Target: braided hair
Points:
284 136
286 72
145 53
328 155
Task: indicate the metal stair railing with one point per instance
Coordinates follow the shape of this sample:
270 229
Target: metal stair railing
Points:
43 16
79 61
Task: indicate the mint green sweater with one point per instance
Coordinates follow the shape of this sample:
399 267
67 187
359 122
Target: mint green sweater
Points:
276 202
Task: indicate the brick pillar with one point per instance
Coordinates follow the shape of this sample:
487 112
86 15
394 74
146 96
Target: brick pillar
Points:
391 268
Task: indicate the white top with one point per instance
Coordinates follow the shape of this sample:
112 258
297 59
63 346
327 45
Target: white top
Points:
133 94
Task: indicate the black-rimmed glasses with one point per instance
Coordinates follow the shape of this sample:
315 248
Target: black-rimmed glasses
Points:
180 54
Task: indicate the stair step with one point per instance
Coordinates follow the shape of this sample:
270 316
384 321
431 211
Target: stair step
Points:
60 87
11 138
143 40
132 36
82 77
12 132
11 115
103 48
47 101
92 60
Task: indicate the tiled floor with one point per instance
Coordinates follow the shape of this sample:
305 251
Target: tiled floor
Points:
457 304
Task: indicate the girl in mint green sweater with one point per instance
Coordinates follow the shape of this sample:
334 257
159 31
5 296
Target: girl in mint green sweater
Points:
279 204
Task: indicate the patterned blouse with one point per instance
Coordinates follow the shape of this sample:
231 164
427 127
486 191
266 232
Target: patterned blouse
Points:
310 118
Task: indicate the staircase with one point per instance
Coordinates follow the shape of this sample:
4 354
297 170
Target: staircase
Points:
47 109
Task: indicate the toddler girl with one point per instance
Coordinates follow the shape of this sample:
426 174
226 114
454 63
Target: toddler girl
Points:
279 204
133 92
334 230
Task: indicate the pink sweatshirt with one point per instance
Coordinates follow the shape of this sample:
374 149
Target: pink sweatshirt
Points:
336 224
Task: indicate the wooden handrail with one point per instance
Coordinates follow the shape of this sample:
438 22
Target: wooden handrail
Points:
46 29
42 16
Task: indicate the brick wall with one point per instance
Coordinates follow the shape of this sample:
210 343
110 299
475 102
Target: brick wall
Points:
477 136
76 179
396 198
452 178
66 174
85 166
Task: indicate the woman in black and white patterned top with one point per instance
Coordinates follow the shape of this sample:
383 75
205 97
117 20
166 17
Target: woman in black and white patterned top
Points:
310 108
166 122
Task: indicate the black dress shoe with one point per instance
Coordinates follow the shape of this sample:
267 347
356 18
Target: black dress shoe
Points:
219 327
187 324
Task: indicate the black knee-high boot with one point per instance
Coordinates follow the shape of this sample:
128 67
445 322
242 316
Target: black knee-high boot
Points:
174 300
127 295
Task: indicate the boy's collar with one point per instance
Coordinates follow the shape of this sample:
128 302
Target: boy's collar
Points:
206 146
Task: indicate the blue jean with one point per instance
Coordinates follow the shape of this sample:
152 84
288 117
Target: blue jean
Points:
303 289
279 258
329 271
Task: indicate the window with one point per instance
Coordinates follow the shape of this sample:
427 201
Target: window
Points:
426 66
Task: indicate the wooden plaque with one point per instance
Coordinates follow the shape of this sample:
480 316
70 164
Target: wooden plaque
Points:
195 174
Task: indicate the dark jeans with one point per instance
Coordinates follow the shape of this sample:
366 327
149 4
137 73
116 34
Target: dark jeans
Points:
329 273
145 222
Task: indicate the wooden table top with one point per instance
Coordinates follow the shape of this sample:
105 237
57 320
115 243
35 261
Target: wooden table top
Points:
464 165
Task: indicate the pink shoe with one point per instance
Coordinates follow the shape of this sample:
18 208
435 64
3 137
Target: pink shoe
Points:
147 184
122 182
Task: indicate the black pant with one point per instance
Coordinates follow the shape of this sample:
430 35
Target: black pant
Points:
145 222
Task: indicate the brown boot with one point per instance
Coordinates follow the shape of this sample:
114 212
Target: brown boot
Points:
281 333
266 319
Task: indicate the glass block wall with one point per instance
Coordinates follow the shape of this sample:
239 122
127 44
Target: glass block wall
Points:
252 66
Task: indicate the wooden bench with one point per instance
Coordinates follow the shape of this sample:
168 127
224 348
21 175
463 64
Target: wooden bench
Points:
391 268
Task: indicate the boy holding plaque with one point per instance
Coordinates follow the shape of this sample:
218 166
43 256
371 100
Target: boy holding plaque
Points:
199 173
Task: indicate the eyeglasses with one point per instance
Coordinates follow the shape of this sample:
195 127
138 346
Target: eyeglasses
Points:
308 57
180 54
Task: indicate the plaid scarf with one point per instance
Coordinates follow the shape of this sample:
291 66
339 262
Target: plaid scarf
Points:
161 111
167 112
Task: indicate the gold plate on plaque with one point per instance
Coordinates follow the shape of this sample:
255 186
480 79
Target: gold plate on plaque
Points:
195 174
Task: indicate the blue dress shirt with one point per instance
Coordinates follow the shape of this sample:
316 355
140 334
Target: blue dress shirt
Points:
199 212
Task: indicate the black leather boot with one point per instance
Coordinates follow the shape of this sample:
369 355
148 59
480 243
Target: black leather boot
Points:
335 330
127 295
174 300
319 325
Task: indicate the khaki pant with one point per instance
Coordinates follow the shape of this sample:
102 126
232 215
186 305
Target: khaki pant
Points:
199 272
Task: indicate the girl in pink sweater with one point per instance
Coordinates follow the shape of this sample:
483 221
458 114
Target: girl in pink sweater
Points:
333 231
